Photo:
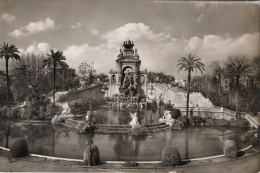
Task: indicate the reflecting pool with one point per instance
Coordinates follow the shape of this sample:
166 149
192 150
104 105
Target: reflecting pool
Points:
58 140
108 116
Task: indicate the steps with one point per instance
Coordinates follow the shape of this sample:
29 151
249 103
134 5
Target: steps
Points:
71 123
178 96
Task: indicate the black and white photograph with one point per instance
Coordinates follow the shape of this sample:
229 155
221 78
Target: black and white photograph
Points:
130 86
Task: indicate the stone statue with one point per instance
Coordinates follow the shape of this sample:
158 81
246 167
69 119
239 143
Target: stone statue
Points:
134 122
66 109
88 116
65 114
167 118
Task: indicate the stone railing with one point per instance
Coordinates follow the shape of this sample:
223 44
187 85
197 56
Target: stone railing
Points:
216 112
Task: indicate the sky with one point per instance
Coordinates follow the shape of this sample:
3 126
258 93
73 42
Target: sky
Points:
162 31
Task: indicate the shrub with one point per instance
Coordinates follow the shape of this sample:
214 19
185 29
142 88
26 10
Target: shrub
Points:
3 112
130 164
52 110
40 107
221 123
184 119
178 124
170 156
14 113
197 120
240 122
19 148
95 157
210 122
176 113
230 149
193 119
80 126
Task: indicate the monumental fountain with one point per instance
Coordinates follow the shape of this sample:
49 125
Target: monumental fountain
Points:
128 83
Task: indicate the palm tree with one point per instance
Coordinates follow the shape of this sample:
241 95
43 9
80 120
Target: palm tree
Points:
8 51
235 68
54 60
189 63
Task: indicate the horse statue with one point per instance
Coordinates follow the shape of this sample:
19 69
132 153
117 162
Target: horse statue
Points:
167 118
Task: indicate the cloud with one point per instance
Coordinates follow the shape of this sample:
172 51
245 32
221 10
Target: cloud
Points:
94 32
76 26
133 31
17 33
158 51
33 28
199 5
8 18
170 27
37 48
101 55
200 18
161 51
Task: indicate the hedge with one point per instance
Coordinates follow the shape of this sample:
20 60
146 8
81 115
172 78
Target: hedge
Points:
230 149
19 148
95 157
170 156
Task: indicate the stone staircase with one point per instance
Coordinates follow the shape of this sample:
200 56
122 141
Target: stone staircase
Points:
71 123
178 96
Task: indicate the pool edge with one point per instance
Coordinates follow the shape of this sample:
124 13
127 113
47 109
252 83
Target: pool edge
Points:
151 162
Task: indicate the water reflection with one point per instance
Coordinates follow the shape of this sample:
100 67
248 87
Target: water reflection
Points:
106 116
58 140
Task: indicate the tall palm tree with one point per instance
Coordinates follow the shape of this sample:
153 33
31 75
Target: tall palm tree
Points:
235 68
55 60
8 51
189 63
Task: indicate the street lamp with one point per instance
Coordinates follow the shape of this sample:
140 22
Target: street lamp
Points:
90 121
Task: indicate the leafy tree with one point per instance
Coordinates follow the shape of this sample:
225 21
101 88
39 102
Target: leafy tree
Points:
189 63
88 72
55 60
160 77
237 67
8 51
102 77
30 77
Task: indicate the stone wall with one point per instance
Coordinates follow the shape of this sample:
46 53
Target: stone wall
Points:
112 89
89 92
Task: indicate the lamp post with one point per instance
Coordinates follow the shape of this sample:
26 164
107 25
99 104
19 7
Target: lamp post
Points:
90 121
236 96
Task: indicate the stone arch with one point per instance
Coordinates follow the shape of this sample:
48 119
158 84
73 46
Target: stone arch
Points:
124 73
127 67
